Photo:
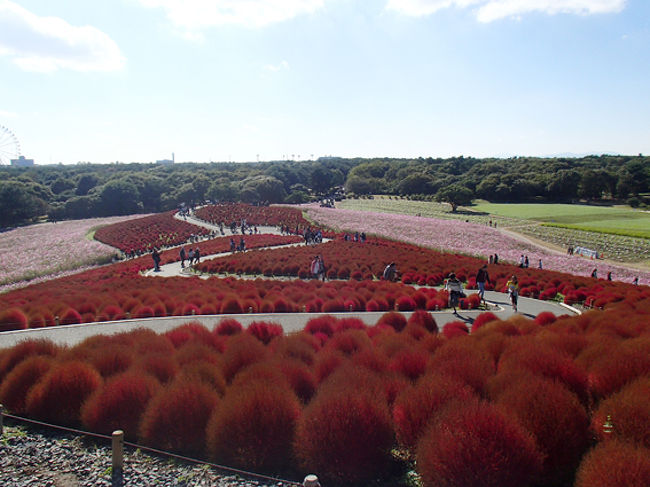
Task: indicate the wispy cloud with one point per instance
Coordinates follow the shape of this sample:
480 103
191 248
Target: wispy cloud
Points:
46 44
490 10
202 14
7 114
277 67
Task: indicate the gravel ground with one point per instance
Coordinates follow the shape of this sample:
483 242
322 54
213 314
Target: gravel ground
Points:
39 458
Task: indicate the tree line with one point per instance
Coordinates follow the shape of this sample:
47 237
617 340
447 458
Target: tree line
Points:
91 190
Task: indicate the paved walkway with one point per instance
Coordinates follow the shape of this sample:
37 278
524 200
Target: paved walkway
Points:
291 322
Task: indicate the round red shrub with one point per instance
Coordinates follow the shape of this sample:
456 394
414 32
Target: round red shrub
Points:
300 378
349 342
253 427
527 353
622 363
16 385
405 303
322 324
415 406
231 306
242 350
349 324
545 318
70 317
24 350
265 331
409 363
58 396
176 417
461 359
119 404
344 435
111 359
299 346
629 414
483 319
455 329
160 365
13 319
228 327
557 420
206 372
615 464
424 320
393 319
144 312
475 445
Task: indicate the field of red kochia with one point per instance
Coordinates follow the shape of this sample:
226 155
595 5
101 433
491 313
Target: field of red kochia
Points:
274 216
143 234
514 403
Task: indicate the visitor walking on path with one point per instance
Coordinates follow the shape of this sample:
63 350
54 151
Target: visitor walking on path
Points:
390 272
156 260
323 270
315 268
455 288
183 256
513 291
197 255
482 277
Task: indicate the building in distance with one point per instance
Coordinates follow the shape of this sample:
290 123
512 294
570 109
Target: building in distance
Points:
22 162
166 161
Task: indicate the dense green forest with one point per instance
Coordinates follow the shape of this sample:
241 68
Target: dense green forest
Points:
88 190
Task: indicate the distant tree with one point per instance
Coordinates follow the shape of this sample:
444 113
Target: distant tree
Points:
592 184
456 195
119 197
61 184
415 183
320 180
222 190
18 203
86 183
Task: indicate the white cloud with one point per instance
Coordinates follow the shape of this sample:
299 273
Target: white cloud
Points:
7 114
200 14
277 67
490 10
46 44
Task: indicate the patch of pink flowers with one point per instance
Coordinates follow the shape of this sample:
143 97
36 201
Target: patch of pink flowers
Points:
464 237
48 250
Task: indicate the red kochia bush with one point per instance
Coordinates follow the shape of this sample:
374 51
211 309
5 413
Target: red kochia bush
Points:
323 324
483 319
242 350
545 318
629 411
119 404
22 351
475 445
58 396
455 329
393 319
461 359
345 435
409 363
176 417
228 327
423 319
19 381
265 331
556 419
253 427
111 359
622 363
414 407
615 464
13 319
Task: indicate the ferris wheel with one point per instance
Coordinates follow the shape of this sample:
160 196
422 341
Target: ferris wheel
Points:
9 145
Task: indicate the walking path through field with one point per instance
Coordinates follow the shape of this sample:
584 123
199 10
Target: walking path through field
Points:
291 322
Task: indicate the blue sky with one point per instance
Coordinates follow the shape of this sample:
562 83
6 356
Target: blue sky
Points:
135 80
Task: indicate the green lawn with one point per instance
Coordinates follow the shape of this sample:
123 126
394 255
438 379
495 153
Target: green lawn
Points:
614 220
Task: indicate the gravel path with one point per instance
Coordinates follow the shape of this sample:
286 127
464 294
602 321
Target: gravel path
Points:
40 458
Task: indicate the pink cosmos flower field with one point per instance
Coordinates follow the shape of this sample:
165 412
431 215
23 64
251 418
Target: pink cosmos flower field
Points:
48 250
466 238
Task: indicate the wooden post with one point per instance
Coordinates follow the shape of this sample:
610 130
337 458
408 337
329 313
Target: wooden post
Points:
2 416
311 481
118 451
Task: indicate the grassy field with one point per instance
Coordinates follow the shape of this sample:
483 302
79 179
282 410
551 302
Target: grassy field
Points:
612 220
